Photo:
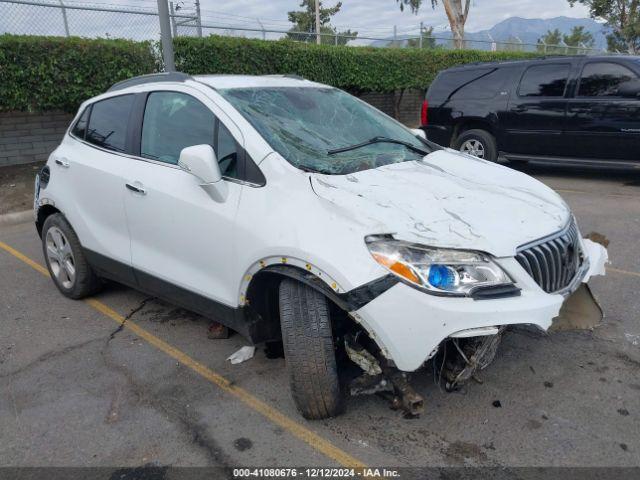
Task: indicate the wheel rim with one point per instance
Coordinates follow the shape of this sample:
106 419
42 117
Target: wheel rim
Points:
60 257
473 147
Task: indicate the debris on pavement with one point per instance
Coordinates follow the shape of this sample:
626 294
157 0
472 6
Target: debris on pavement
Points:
242 355
598 238
217 331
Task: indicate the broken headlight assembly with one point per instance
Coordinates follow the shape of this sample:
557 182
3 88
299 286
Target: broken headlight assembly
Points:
440 271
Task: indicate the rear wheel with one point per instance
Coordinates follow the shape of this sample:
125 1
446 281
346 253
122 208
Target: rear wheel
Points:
65 259
309 350
478 143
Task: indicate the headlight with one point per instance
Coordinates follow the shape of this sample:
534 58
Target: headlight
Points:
437 270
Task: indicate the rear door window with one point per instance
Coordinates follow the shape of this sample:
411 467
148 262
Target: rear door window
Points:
602 79
108 122
544 81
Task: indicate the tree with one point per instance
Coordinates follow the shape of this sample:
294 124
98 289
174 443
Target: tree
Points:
579 39
550 42
305 21
427 39
457 14
622 16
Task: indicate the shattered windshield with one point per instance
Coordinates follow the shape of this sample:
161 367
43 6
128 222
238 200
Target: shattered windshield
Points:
306 125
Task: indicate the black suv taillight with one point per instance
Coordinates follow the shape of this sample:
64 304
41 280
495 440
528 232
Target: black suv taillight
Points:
424 114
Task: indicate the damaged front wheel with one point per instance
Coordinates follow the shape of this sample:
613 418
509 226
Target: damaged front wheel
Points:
309 350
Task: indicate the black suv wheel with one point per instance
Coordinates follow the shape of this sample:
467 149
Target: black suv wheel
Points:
478 143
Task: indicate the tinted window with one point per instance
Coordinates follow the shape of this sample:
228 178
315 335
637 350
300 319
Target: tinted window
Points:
544 81
108 122
603 79
447 82
173 121
485 86
80 128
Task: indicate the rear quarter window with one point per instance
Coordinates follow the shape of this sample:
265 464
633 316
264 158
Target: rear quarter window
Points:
448 82
80 127
109 121
484 87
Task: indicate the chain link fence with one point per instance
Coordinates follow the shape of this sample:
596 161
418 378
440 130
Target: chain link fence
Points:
93 20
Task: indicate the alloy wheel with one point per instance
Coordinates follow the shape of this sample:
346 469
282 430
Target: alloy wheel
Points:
60 257
473 147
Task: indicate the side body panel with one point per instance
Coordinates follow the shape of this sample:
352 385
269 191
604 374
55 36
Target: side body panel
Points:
534 124
90 192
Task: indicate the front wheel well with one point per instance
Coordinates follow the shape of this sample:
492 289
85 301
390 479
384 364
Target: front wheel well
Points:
470 124
262 298
44 212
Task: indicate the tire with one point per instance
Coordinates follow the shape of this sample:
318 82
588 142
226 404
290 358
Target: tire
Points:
309 350
481 140
63 254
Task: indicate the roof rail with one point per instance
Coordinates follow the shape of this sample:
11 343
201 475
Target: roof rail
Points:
287 75
150 78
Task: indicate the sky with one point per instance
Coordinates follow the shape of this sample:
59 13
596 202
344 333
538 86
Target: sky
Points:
370 18
382 15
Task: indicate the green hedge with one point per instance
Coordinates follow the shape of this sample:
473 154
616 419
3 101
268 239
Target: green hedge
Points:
357 69
51 73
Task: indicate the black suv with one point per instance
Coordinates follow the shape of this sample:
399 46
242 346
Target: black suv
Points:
571 108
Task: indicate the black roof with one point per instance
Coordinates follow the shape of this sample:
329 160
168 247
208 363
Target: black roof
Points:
541 59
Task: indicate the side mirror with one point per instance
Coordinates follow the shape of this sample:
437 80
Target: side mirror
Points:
201 162
630 89
418 132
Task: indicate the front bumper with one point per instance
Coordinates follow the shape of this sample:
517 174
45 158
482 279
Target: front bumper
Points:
408 325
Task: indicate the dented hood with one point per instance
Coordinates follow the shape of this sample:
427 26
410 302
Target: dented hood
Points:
447 200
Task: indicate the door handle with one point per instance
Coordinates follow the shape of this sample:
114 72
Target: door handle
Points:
520 108
62 162
136 188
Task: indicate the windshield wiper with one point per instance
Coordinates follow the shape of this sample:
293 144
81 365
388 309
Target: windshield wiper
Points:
373 140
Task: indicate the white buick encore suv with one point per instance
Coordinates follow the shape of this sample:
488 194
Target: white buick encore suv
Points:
291 211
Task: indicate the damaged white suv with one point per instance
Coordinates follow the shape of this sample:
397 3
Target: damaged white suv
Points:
291 211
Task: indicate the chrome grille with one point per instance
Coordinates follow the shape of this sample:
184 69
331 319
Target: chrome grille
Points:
553 261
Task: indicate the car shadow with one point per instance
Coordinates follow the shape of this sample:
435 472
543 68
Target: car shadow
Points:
628 176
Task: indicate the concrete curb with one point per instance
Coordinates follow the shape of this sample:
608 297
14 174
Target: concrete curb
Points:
15 218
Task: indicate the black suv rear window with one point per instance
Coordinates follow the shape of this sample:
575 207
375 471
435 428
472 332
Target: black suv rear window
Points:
485 86
448 82
544 80
108 122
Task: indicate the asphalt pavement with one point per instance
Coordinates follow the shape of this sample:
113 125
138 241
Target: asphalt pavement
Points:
77 389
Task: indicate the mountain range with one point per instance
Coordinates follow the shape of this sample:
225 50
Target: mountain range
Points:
528 30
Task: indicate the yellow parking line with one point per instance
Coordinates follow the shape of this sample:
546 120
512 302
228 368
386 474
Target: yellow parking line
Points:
623 272
296 429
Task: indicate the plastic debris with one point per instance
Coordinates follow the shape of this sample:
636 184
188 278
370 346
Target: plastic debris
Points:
242 355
